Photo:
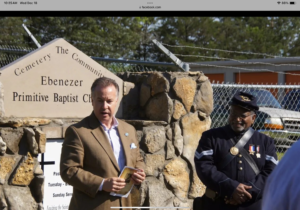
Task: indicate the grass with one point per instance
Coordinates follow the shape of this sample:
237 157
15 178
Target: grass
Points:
279 155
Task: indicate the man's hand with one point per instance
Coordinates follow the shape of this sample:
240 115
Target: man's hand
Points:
241 195
138 177
231 202
113 184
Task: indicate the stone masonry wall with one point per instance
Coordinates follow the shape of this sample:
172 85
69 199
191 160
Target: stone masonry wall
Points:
170 112
21 178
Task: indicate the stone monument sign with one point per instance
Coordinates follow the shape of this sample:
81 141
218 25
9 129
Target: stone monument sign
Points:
53 81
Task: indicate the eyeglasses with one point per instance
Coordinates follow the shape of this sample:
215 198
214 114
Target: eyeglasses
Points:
241 116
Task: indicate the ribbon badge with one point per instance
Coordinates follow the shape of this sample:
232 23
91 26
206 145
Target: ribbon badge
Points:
257 151
251 149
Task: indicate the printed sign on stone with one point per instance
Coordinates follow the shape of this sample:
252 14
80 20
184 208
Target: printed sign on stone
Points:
52 81
57 193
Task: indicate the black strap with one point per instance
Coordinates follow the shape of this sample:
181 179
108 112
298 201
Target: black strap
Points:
240 145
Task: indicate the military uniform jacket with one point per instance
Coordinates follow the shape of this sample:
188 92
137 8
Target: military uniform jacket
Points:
87 158
214 146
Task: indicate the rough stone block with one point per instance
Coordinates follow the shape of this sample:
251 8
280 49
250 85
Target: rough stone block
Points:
130 101
127 87
169 133
38 170
177 138
140 124
35 122
11 122
177 175
33 145
2 111
143 189
179 110
12 138
158 83
6 166
135 196
144 94
183 204
3 203
185 89
204 98
41 139
170 153
192 128
202 78
154 138
24 173
58 121
30 122
160 107
19 198
139 135
3 147
197 188
154 164
159 195
37 188
53 132
194 73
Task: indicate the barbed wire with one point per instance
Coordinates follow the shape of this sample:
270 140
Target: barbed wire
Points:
20 49
239 61
244 85
240 68
229 51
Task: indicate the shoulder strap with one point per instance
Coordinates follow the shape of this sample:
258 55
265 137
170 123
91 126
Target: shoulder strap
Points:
250 160
240 145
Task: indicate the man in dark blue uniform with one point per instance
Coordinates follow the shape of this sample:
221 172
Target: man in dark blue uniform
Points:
234 161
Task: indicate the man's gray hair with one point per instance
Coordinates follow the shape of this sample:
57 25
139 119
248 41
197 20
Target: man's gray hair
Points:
104 82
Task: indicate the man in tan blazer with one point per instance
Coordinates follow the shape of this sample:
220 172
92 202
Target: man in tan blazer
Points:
96 149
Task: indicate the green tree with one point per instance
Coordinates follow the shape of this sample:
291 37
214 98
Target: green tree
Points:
96 36
130 37
12 32
185 31
270 35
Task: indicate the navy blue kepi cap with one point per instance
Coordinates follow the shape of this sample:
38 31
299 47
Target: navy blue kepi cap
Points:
245 100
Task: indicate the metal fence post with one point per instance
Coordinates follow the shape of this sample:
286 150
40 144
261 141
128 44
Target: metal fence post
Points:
184 66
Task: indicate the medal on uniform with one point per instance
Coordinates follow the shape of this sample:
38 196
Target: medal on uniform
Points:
251 149
234 151
257 151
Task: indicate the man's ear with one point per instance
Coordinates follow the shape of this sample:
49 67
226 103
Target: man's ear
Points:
253 117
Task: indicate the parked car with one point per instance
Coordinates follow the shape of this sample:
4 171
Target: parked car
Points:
291 100
281 124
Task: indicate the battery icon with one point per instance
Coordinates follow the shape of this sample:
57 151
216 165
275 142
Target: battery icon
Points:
292 2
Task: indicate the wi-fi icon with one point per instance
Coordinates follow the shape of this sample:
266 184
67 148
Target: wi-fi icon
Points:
278 2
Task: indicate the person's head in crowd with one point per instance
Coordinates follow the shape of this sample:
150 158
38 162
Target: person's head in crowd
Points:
105 93
242 111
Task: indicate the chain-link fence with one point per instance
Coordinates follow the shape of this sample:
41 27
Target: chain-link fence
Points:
10 53
278 115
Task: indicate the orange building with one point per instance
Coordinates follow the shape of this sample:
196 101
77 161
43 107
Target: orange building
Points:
255 71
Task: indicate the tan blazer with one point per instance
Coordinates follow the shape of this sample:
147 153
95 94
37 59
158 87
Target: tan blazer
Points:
87 158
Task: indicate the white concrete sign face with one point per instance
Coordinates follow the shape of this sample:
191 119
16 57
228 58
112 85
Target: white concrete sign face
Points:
52 81
57 193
